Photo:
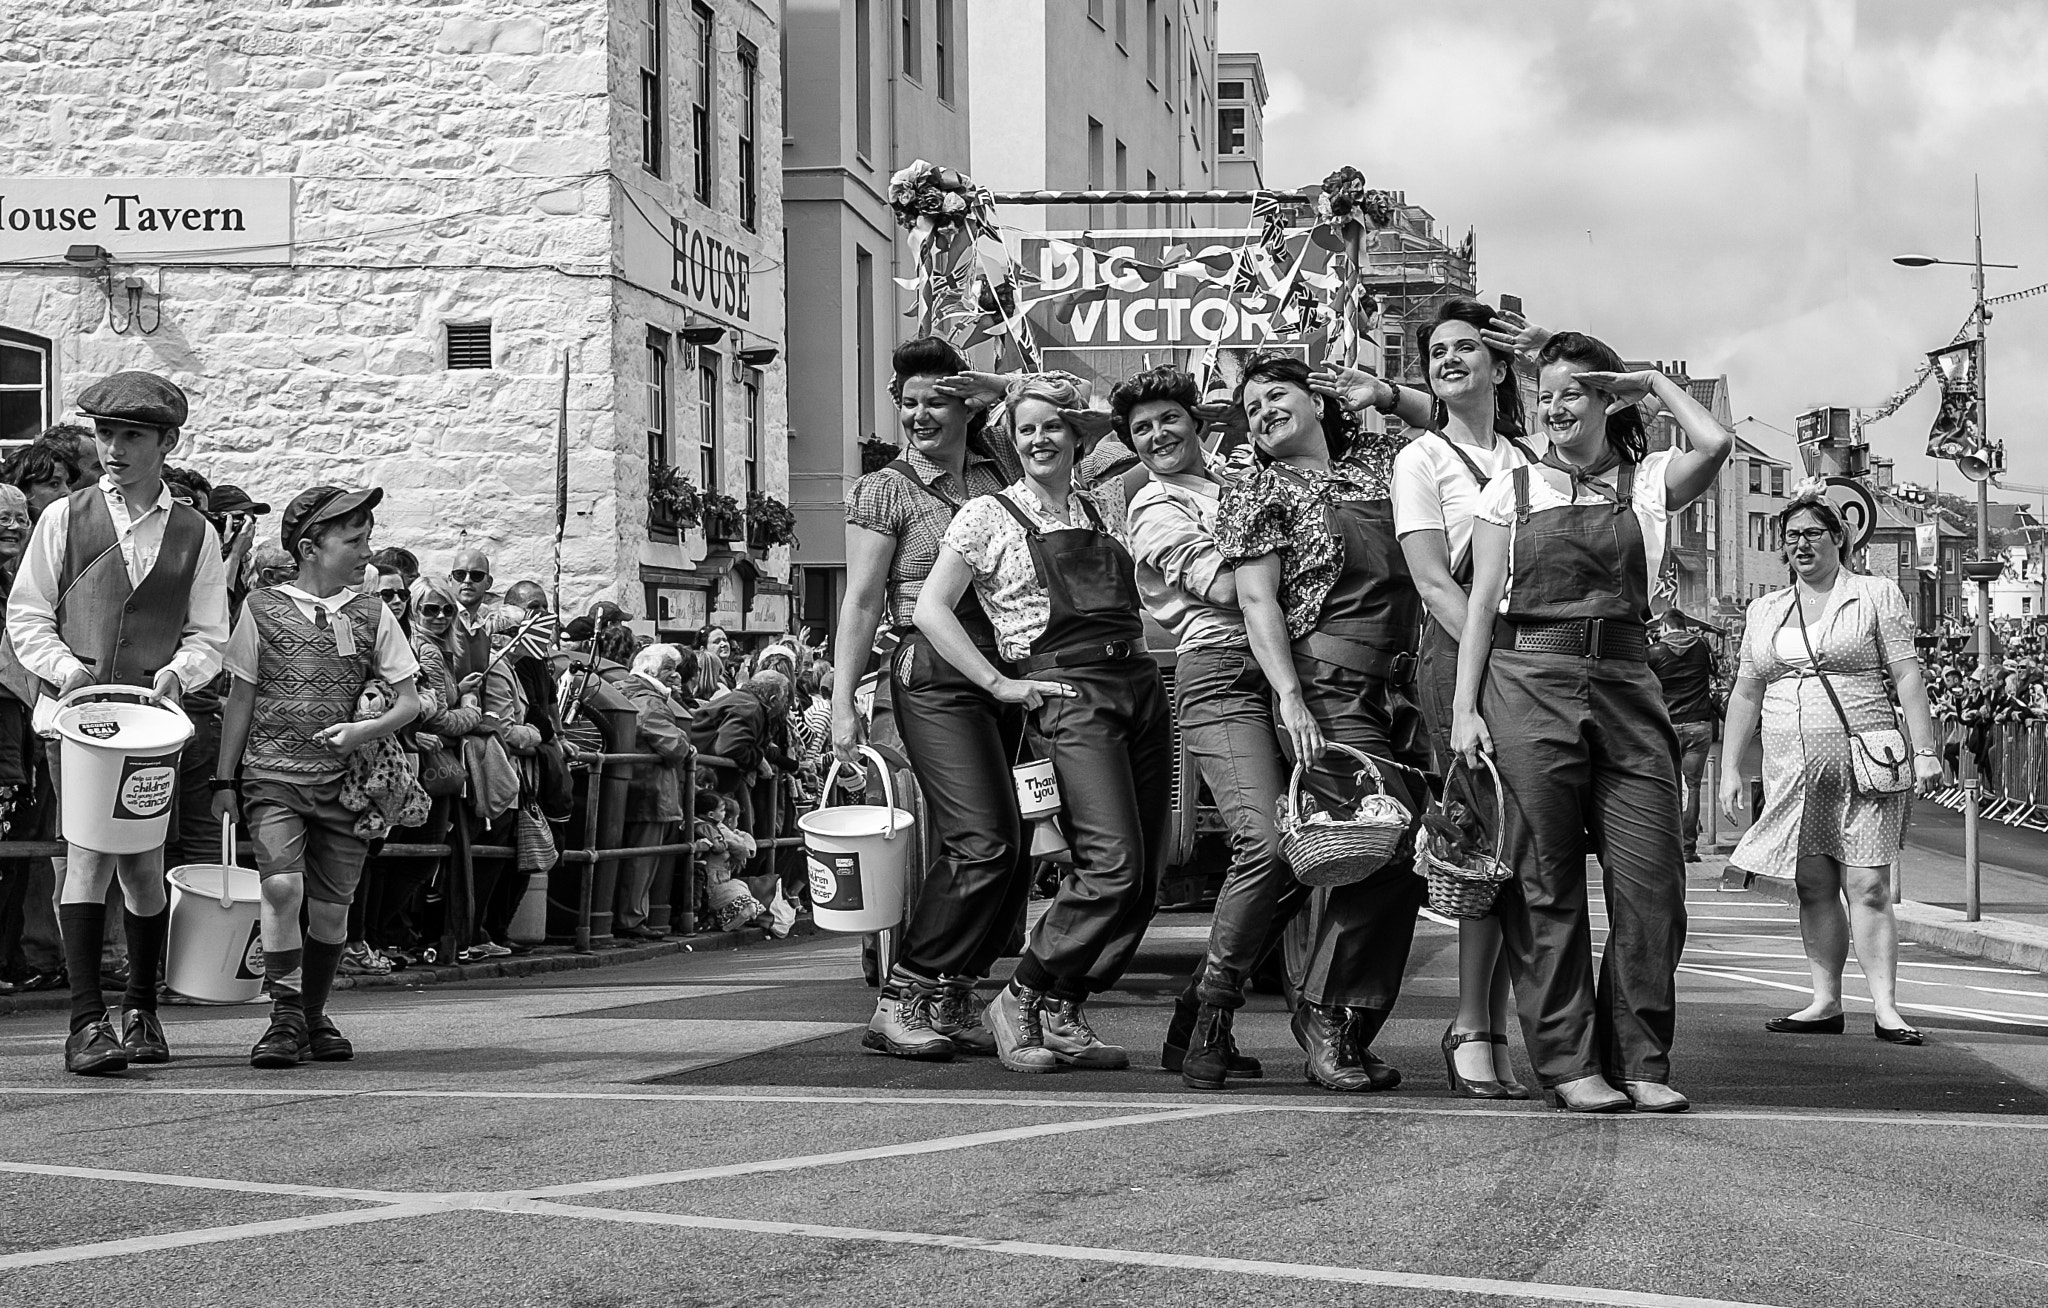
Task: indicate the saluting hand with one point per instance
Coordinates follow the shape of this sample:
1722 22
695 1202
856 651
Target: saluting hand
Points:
1354 388
1031 694
978 390
1516 335
1625 388
1088 425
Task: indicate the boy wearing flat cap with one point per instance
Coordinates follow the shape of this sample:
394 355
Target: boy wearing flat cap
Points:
120 584
300 656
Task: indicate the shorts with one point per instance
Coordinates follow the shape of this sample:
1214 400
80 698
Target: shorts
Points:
301 827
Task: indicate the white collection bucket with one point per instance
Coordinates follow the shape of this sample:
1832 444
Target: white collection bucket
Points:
1038 790
859 857
216 946
120 759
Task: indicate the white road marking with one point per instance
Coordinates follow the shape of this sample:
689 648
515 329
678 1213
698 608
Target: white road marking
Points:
208 1183
1525 1290
1999 1016
905 1150
142 1244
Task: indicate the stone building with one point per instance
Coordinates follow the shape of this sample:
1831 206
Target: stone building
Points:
456 234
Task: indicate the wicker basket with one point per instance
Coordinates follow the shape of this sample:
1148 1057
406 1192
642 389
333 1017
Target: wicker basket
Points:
1465 889
1326 850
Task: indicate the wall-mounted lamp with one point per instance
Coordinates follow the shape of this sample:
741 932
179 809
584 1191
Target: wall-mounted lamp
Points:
702 333
759 356
88 254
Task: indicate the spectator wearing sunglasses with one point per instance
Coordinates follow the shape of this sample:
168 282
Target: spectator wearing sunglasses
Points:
392 559
474 619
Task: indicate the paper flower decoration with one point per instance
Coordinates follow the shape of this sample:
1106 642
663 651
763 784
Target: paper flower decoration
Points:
940 196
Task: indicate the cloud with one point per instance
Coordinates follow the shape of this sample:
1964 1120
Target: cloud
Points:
1720 183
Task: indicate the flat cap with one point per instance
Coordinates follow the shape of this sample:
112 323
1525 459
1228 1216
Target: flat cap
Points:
135 397
233 499
321 504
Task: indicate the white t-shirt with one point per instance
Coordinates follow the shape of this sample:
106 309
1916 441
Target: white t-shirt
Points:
1497 506
1434 490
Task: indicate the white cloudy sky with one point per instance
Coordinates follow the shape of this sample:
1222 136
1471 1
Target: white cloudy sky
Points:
1717 181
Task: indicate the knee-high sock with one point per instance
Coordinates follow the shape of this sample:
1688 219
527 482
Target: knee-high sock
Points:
285 981
145 956
322 959
82 926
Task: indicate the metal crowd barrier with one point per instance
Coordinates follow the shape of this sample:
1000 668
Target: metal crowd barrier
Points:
2012 772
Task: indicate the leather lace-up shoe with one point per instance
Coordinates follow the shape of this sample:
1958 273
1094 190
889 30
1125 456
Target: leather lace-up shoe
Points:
143 1035
1207 1065
1379 1074
1174 1052
95 1051
285 1044
1019 1032
957 1016
1332 1063
1074 1042
326 1042
902 1026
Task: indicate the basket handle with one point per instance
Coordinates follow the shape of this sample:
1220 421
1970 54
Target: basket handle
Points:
227 859
1458 775
888 785
1368 771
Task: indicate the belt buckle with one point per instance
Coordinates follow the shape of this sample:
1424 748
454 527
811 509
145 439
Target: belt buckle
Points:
1117 649
1596 632
1403 670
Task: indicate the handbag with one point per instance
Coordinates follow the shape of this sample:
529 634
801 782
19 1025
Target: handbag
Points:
1880 762
441 772
535 841
556 791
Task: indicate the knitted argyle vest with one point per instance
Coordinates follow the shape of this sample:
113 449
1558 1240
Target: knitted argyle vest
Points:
304 684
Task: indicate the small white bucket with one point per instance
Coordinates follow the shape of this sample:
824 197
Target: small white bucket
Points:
858 858
1038 790
216 943
120 763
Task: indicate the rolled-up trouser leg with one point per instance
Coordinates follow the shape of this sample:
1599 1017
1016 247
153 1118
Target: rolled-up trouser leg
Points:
1111 747
1356 937
961 744
1225 710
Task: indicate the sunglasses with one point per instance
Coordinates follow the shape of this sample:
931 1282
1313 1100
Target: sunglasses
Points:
388 595
470 574
436 610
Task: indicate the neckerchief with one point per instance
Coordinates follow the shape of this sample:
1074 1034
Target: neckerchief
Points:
1583 477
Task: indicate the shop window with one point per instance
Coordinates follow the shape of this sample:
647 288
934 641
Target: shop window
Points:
469 345
25 386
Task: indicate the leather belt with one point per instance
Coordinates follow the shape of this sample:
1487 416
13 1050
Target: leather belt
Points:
1076 655
1589 638
1392 666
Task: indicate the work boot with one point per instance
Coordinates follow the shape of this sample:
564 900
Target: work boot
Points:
1323 1033
143 1035
1365 1024
902 1024
1013 1015
1073 1041
1173 1054
958 1017
95 1051
1207 1065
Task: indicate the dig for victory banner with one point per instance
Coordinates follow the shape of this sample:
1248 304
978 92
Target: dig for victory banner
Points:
1126 300
148 219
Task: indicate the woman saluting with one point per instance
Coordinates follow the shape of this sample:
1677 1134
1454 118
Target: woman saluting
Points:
1062 595
1553 683
959 739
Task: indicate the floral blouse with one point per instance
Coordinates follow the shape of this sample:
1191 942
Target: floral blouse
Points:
1269 512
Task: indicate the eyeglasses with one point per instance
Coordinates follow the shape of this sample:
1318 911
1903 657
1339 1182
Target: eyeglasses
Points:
1806 535
390 595
470 574
436 610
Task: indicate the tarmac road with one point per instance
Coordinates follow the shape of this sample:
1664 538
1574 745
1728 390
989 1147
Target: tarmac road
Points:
704 1130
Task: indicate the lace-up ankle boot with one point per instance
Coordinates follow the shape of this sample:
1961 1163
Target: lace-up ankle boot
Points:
1074 1042
902 1024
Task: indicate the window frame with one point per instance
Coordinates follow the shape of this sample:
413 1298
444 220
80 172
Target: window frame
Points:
750 396
912 27
703 144
44 388
749 58
863 80
660 431
653 43
943 54
708 424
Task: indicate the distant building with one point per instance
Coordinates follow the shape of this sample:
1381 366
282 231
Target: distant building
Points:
1753 491
1240 122
1696 564
2022 590
872 87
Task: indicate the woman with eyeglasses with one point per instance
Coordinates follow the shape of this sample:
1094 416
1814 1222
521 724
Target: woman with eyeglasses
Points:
1554 683
376 914
1815 658
450 710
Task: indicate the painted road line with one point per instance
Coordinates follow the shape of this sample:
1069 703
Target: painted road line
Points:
1536 1291
908 1149
143 1244
823 1095
208 1183
1999 1016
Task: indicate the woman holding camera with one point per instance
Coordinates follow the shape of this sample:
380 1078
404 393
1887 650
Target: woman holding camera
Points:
1837 784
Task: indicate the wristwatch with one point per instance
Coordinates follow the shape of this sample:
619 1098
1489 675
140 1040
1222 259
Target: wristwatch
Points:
218 784
1927 753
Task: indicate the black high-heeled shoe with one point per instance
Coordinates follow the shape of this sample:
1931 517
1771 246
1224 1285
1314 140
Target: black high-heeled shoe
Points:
1461 1085
1515 1089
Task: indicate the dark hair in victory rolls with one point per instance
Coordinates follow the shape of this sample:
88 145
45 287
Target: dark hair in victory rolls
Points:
1164 384
931 356
1340 425
1624 429
1509 417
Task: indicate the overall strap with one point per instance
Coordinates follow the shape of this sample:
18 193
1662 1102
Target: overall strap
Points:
901 467
1625 488
1522 493
1023 520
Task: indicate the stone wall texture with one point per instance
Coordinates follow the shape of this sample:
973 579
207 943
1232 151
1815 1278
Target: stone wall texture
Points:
450 165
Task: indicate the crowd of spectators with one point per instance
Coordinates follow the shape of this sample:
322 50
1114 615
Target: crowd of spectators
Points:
513 699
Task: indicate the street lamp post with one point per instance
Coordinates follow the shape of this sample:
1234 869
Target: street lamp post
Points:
1983 572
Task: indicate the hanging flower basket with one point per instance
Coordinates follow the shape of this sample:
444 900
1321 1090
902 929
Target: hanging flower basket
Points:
672 499
723 520
877 454
769 521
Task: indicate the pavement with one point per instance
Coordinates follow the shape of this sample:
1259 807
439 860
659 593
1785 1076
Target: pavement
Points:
703 1129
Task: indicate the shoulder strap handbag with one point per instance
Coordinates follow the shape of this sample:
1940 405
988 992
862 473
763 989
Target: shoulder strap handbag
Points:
1879 761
